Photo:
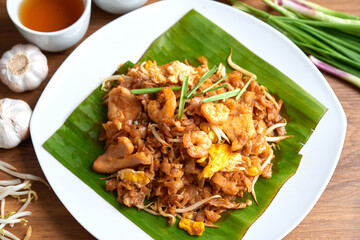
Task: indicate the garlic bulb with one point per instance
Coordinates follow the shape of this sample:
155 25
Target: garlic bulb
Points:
14 122
23 68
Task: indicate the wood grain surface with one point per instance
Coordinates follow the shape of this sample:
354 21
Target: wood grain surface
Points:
335 216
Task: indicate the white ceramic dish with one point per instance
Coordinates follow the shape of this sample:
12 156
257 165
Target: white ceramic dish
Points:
119 6
101 53
51 41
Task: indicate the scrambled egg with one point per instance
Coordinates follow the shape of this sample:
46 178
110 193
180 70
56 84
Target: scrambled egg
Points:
220 157
173 72
206 128
212 136
178 71
138 177
253 171
148 64
193 228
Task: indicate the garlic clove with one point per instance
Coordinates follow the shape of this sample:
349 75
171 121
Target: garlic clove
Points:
31 81
14 122
10 138
23 67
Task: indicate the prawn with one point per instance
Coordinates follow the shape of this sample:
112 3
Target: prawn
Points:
197 144
163 107
215 113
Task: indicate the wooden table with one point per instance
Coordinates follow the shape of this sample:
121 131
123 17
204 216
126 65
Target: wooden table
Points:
336 215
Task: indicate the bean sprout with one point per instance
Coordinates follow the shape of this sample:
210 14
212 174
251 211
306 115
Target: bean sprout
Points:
16 188
147 210
268 96
273 127
172 219
267 161
238 68
9 182
23 175
10 235
28 233
196 205
111 78
157 136
277 139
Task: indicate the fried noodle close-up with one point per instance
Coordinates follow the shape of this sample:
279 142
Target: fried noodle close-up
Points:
186 142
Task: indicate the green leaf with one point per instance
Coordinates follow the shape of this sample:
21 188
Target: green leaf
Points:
75 144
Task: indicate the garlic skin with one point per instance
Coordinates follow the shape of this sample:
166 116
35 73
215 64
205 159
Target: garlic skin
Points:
23 67
14 122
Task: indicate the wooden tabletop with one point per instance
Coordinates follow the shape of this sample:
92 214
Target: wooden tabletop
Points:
335 216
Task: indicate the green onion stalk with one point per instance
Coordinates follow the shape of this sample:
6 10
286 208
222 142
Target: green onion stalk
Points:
183 96
335 71
314 11
332 38
152 90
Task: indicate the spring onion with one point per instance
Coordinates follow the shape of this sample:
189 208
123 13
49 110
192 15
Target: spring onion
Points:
280 9
152 90
216 83
234 93
331 37
244 88
335 71
182 97
202 80
327 11
221 96
210 90
306 10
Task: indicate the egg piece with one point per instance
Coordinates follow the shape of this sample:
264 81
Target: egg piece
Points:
253 171
139 178
220 158
148 64
178 70
193 228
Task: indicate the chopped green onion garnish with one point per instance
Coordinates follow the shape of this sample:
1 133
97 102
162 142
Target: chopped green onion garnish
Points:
152 90
219 81
202 80
229 94
233 93
182 97
212 89
244 88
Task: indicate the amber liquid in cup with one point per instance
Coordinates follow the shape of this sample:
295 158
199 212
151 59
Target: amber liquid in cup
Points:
50 15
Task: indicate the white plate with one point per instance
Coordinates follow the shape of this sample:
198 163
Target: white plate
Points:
127 38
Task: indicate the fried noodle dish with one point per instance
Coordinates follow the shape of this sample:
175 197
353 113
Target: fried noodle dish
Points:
186 142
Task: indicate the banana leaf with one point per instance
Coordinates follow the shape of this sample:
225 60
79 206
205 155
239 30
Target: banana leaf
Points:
75 144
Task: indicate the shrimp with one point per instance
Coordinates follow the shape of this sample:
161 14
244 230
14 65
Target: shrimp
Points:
163 107
197 144
215 113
